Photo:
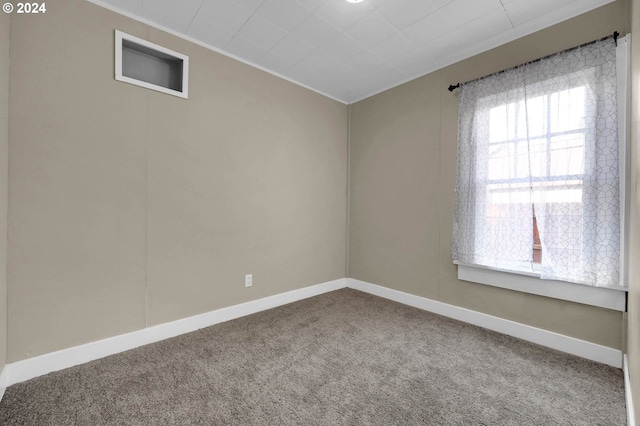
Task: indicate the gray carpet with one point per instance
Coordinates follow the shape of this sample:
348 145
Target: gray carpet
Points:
344 357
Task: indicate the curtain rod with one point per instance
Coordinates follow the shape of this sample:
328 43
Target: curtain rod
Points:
615 36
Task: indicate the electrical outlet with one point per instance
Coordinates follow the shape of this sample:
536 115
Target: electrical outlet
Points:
248 280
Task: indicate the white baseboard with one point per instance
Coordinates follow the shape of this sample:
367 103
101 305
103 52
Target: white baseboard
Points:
4 381
539 336
21 371
631 417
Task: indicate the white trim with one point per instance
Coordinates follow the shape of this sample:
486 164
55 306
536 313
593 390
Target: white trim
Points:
21 371
623 72
536 335
208 46
594 296
631 417
121 36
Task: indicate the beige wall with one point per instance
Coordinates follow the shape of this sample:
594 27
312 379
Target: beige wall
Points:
402 181
633 317
130 208
4 176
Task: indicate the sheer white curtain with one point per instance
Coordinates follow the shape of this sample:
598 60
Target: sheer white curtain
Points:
537 174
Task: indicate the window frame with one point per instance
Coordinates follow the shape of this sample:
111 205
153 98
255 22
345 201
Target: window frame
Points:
530 282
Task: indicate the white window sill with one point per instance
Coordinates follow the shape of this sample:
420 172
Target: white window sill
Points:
530 283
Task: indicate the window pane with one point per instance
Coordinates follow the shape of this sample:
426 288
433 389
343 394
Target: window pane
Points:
536 117
509 193
506 233
498 124
563 229
522 160
538 150
568 110
567 155
500 161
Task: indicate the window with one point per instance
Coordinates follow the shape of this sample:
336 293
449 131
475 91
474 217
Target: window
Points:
541 152
540 167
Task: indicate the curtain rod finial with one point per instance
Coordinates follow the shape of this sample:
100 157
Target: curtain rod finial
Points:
452 87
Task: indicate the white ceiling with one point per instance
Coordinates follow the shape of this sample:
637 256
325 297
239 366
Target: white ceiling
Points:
351 51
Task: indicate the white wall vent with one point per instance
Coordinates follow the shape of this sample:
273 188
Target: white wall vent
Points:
148 65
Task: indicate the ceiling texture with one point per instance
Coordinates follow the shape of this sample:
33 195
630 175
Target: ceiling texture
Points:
350 51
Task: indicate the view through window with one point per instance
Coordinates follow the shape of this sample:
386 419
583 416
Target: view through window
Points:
536 152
